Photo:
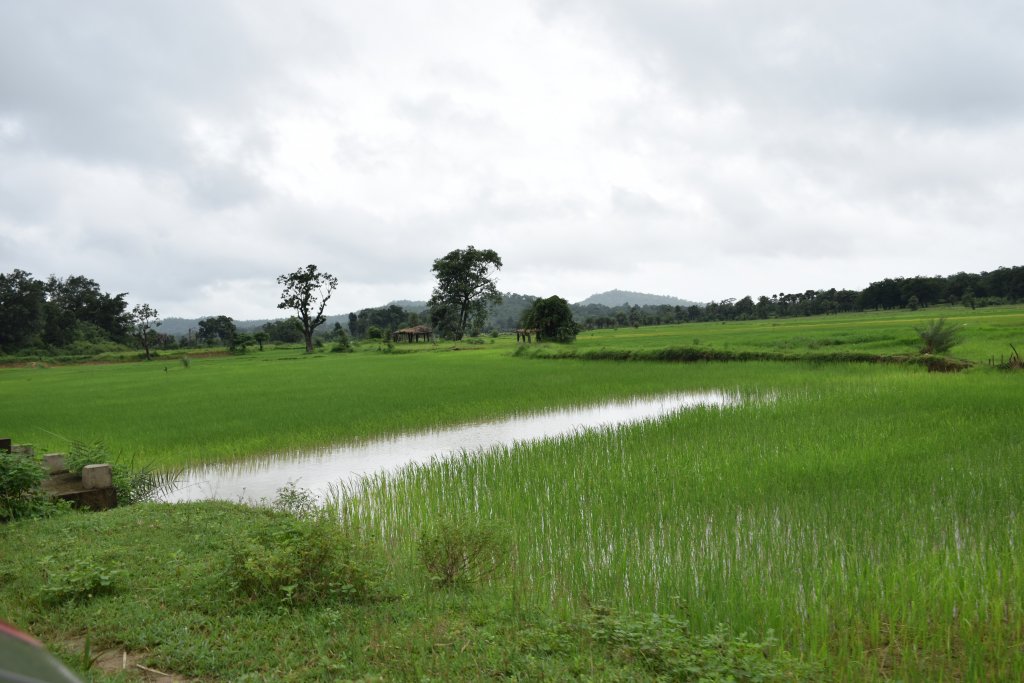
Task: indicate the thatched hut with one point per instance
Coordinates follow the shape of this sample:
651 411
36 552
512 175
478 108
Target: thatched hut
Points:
413 334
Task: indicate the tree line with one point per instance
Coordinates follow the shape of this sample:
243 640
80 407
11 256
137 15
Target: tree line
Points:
1002 286
73 315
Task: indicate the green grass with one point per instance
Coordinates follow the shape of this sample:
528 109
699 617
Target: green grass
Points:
987 332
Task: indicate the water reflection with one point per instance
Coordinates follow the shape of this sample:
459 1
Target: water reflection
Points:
260 478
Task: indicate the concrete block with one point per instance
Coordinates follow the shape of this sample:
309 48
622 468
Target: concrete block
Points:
97 477
55 463
23 448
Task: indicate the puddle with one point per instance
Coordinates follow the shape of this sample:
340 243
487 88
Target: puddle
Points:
314 470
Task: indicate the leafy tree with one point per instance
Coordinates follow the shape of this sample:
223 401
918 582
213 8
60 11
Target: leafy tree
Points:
21 309
144 321
220 329
75 305
260 337
553 318
465 287
306 290
285 331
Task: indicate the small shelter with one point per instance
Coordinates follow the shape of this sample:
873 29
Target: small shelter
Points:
413 334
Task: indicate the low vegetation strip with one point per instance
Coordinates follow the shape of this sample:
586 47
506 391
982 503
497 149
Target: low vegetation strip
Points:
691 354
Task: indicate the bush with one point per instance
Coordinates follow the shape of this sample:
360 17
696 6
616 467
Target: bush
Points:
295 562
461 553
20 477
939 336
342 345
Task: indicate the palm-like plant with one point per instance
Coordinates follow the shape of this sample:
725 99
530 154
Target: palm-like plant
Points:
939 336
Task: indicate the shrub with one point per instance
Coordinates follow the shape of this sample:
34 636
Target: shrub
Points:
342 345
294 562
461 553
20 496
939 336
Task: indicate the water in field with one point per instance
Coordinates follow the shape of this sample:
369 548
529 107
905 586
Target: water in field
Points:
261 478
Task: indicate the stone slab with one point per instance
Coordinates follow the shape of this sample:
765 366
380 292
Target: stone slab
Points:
97 477
55 463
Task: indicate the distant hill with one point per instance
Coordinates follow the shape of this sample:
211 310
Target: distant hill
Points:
618 297
411 306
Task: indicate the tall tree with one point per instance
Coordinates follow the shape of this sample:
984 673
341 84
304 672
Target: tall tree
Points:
76 307
220 329
465 287
306 290
22 299
144 321
552 319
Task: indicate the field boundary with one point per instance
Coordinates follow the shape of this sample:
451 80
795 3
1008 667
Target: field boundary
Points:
689 354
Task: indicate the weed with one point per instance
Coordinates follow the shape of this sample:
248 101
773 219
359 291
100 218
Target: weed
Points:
20 477
75 580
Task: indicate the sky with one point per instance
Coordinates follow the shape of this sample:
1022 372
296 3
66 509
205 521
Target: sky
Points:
189 152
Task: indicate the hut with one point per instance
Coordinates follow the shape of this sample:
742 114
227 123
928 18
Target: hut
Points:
413 334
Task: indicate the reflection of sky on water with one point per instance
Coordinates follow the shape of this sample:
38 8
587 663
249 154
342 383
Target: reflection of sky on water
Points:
260 478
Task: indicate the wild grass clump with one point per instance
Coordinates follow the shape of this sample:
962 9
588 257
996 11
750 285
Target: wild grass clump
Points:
293 562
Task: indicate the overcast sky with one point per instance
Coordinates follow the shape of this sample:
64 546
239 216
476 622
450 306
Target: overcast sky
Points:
190 151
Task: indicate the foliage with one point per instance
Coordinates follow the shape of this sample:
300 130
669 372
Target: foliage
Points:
144 321
465 287
307 290
939 336
77 310
21 310
460 552
295 561
20 477
218 330
286 331
134 484
342 343
75 579
553 318
667 648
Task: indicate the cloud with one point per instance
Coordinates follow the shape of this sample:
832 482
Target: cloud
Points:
191 152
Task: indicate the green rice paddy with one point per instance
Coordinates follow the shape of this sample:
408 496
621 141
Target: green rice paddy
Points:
870 515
